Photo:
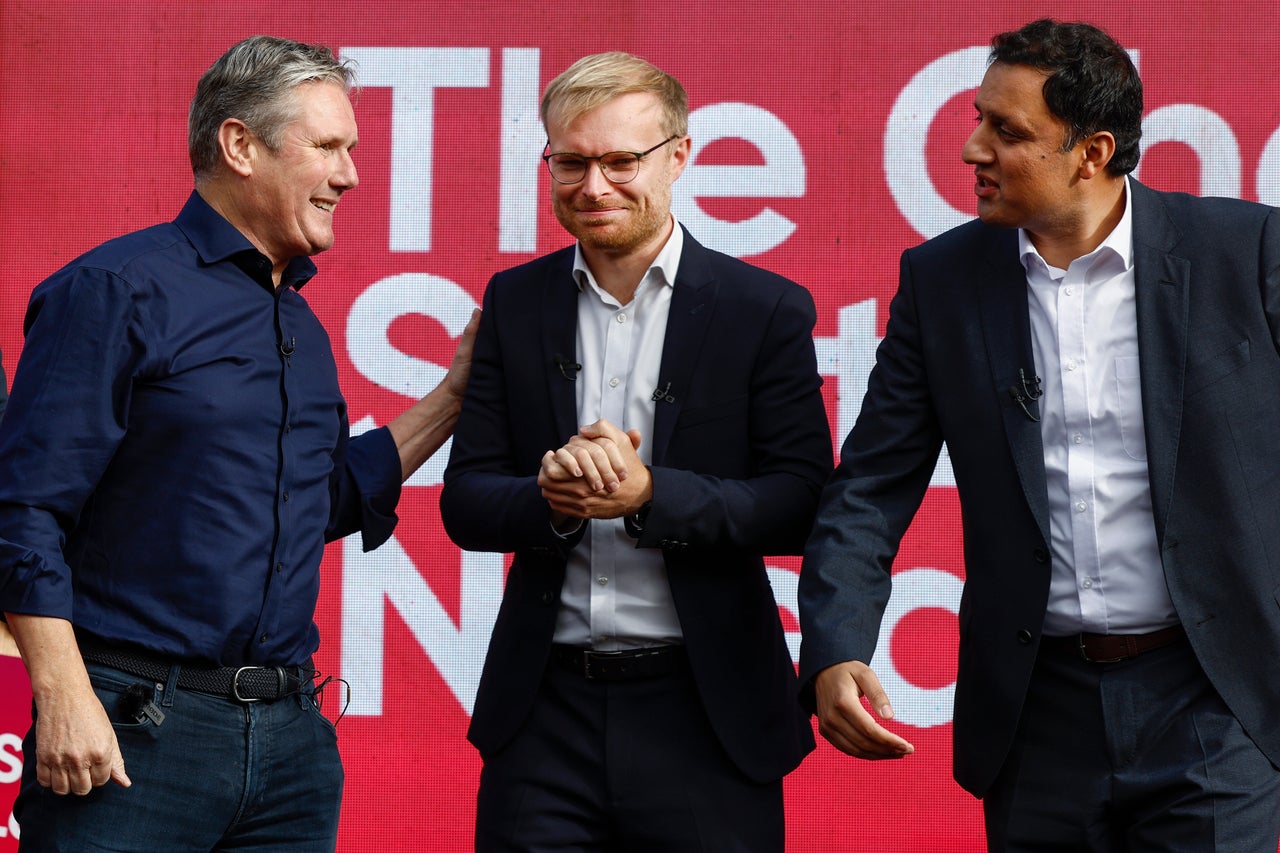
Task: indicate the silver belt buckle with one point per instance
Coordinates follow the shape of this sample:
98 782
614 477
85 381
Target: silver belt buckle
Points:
235 683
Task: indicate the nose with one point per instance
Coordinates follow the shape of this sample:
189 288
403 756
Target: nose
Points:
345 176
976 150
594 183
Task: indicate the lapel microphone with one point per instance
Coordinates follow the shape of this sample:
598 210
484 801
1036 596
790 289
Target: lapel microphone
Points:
1027 391
568 369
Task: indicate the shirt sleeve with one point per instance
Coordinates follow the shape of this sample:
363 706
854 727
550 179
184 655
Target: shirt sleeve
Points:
366 488
64 420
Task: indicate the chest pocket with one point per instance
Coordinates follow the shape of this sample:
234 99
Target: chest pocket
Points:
1129 396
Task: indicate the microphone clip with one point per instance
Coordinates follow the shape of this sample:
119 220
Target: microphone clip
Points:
568 368
1026 391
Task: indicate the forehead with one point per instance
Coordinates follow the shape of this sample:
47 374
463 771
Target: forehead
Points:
619 124
1013 91
323 107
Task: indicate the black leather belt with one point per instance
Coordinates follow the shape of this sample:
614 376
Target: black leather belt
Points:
241 683
620 666
1112 648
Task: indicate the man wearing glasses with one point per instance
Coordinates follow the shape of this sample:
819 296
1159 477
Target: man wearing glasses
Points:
638 691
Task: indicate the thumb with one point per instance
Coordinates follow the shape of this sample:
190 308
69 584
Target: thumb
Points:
877 698
117 771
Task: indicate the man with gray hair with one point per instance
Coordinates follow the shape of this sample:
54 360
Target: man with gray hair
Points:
174 458
637 693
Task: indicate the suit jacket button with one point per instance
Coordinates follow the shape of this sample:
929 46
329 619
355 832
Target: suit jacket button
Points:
1041 555
547 597
1024 637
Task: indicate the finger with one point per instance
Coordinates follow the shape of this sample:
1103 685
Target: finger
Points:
856 732
565 458
118 774
79 780
597 470
613 455
553 469
634 435
877 698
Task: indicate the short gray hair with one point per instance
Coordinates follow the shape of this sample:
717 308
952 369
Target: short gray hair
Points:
254 81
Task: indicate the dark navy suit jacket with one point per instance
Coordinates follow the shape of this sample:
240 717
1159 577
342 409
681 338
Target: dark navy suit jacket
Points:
1208 302
739 457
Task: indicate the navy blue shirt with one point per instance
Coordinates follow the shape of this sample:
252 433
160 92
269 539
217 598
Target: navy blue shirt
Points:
175 452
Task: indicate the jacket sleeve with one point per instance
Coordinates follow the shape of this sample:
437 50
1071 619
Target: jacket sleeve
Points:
885 466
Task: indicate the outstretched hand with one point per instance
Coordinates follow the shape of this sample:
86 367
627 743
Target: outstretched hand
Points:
846 723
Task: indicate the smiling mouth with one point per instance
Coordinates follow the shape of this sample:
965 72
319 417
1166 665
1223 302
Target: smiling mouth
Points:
326 206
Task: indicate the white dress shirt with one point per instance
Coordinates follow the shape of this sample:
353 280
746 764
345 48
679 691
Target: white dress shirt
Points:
1107 577
616 596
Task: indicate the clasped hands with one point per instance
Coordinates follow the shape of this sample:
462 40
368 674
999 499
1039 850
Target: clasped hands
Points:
595 474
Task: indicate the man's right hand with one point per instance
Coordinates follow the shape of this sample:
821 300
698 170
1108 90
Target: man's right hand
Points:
845 721
76 747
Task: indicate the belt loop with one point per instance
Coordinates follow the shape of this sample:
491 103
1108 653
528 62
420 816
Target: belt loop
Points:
170 687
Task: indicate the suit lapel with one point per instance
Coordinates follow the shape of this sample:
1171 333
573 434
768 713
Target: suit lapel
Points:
1006 325
1162 282
559 342
692 303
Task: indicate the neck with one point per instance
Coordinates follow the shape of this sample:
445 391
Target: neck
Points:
1082 233
620 273
216 196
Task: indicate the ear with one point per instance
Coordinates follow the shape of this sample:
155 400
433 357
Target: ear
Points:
680 156
1096 151
238 146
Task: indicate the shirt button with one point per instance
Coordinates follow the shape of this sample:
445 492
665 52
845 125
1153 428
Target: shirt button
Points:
1081 506
622 318
1071 364
279 568
286 497
1068 290
602 580
1088 583
613 383
1077 438
262 639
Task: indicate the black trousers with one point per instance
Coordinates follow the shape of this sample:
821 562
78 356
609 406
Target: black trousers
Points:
1139 755
622 766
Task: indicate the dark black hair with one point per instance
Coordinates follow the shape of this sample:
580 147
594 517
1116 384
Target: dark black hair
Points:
1092 83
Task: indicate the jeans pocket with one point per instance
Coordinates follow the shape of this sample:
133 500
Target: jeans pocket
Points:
119 695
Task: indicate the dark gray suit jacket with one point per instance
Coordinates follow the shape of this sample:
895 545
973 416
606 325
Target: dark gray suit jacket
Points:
739 457
1208 303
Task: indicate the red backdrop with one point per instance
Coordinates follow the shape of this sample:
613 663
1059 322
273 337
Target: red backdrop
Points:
826 140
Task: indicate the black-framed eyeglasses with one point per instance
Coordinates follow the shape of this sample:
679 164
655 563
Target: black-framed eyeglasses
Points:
618 167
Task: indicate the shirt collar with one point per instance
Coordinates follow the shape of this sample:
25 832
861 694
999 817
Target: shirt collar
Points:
1117 245
216 240
665 265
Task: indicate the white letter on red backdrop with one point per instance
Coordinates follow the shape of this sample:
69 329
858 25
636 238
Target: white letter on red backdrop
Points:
781 176
413 74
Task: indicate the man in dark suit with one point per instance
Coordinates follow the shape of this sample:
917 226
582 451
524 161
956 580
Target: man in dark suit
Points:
1100 360
638 693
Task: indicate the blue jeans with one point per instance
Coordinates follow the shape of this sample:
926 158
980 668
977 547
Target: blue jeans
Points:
214 775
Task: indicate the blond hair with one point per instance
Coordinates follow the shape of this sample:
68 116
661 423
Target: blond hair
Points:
597 79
